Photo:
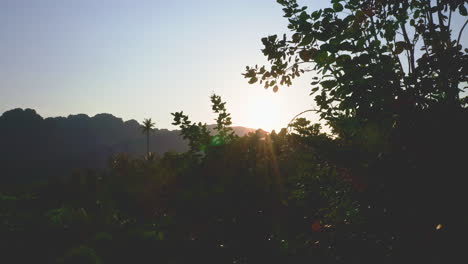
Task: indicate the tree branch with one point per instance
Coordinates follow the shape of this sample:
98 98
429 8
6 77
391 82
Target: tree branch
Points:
461 31
450 19
411 47
444 29
303 112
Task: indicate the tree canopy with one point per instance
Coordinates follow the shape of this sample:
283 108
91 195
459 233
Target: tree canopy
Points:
387 187
371 59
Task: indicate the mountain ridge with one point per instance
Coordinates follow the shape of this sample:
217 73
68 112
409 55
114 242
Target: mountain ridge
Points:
33 146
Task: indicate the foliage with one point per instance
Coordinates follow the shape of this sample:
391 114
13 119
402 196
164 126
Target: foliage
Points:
304 128
198 134
58 145
147 125
80 255
373 60
146 128
275 198
253 199
225 134
385 188
387 77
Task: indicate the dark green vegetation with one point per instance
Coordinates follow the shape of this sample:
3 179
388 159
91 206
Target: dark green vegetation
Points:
34 148
258 198
147 128
387 187
388 77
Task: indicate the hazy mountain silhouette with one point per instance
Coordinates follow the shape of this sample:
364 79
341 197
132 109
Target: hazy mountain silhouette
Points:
34 147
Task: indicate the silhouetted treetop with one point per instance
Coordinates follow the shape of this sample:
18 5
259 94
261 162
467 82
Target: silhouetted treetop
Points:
56 145
371 59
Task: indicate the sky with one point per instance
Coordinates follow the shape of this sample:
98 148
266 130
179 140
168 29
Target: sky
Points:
142 59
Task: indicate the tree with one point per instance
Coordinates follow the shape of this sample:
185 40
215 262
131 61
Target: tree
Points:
372 59
223 121
387 76
198 134
146 128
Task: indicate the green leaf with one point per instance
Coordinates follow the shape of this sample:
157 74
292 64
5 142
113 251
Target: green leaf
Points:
343 59
321 57
462 10
253 80
328 84
296 38
338 7
306 40
399 47
417 13
360 43
304 55
314 90
316 14
360 16
364 59
346 46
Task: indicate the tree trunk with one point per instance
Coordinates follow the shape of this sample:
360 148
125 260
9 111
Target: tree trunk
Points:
147 144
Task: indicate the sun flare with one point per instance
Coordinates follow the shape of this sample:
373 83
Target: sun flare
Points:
264 112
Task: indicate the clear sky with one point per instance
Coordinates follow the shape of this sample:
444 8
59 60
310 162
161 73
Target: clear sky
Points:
143 58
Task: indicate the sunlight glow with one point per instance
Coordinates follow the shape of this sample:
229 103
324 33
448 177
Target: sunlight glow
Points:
265 111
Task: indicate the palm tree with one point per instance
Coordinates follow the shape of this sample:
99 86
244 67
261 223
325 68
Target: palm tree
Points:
147 127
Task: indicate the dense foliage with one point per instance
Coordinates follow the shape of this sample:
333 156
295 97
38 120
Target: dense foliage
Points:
258 198
387 187
387 77
262 198
33 147
357 50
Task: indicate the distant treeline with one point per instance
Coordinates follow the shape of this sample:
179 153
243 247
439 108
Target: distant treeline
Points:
33 147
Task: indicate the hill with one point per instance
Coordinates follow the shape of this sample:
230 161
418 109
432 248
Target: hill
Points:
35 147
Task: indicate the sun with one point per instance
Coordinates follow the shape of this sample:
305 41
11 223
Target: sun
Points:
264 112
